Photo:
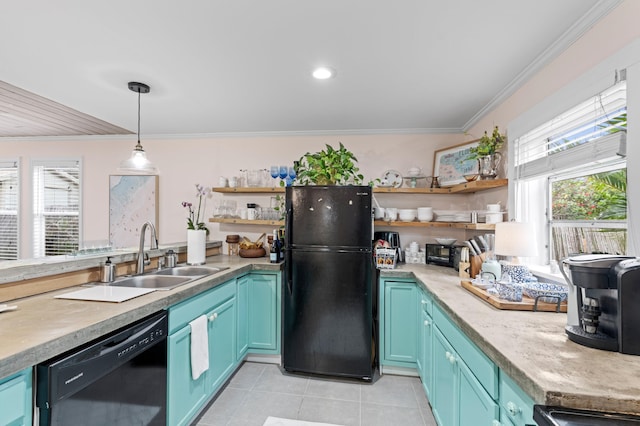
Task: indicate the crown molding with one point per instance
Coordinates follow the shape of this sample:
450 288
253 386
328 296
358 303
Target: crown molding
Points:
570 36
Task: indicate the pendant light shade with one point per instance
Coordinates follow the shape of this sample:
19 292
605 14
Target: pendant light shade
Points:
138 162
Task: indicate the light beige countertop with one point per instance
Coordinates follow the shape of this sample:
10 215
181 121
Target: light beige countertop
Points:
43 327
531 347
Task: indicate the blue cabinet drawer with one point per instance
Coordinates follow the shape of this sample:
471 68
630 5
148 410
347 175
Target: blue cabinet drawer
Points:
482 367
185 311
516 404
15 399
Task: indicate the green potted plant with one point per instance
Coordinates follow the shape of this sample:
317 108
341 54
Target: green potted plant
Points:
328 167
487 153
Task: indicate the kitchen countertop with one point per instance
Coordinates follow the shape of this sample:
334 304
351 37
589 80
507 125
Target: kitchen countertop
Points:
531 347
43 326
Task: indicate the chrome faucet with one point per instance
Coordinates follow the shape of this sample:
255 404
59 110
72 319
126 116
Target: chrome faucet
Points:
143 258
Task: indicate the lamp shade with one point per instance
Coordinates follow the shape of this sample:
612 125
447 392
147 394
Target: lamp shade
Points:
515 239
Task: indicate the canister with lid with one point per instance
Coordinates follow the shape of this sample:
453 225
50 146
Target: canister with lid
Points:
252 212
108 271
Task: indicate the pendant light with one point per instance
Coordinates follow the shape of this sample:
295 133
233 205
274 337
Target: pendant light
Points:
138 162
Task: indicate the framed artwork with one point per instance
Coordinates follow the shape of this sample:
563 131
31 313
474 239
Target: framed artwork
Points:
133 200
451 164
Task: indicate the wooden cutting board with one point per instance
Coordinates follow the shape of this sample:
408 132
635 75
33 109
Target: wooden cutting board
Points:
527 303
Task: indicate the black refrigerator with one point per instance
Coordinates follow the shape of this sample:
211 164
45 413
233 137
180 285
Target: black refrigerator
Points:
330 296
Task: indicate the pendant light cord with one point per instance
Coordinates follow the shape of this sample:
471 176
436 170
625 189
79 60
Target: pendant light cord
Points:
138 117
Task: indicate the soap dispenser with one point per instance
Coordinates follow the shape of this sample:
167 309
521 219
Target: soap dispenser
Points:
108 271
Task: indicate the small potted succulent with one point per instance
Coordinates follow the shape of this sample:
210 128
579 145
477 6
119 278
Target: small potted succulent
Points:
487 153
328 167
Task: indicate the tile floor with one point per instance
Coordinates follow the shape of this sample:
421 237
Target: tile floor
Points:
261 390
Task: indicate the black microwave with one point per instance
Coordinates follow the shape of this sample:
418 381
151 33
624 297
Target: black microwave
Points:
443 255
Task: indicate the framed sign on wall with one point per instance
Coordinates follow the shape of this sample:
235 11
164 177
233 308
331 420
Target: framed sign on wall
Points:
452 163
133 200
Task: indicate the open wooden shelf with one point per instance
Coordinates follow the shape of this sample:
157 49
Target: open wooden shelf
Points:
247 221
253 190
468 187
462 188
456 225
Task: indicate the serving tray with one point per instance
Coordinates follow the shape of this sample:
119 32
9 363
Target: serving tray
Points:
527 304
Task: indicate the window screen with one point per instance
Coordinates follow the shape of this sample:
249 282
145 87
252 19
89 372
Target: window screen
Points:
9 190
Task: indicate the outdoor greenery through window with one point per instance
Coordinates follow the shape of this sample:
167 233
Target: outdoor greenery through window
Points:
571 178
56 207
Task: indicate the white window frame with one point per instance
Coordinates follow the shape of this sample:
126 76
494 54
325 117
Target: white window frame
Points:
9 164
37 247
590 83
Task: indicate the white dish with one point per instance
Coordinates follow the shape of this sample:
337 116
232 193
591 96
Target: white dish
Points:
105 293
4 308
393 178
446 241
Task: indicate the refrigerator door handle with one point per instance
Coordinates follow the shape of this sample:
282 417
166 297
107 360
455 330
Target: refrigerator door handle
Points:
287 250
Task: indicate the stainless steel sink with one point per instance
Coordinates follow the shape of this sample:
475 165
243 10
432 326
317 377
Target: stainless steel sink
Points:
167 279
189 271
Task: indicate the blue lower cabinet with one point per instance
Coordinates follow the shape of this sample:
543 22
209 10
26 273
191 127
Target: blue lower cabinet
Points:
264 311
516 407
242 313
185 396
16 401
476 406
399 339
445 381
222 344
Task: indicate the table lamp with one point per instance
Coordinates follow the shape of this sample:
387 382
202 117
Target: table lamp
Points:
515 239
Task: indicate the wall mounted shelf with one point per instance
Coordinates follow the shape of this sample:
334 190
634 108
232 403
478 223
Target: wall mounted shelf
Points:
246 221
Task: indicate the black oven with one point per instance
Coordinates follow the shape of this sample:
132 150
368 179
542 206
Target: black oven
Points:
120 379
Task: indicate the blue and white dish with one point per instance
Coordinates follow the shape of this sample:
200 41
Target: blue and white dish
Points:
548 292
518 273
509 291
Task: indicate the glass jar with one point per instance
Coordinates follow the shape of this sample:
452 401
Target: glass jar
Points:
252 211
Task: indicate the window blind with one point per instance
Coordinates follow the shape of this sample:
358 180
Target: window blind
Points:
9 190
591 132
56 204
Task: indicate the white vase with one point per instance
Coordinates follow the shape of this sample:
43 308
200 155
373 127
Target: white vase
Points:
196 246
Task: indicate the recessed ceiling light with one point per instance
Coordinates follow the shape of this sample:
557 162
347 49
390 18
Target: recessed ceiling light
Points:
324 73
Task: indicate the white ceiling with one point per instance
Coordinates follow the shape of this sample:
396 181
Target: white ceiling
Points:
245 66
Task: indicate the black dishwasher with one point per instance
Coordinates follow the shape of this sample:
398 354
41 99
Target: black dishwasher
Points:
117 380
560 416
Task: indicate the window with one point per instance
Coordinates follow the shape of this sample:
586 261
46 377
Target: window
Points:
56 207
9 190
571 177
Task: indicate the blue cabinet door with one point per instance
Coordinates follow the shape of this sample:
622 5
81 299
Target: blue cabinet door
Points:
264 313
400 343
445 381
426 353
475 405
222 343
16 404
185 396
242 309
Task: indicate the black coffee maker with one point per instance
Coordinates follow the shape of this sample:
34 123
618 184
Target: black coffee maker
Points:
606 299
393 238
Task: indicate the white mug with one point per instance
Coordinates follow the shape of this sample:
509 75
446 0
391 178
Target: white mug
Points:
222 181
391 214
378 213
233 181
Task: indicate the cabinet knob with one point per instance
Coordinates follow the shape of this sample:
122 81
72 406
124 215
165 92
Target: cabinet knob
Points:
427 323
512 408
213 317
496 423
424 302
450 357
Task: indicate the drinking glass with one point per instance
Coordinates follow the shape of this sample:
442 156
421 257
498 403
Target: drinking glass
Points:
292 173
275 172
284 171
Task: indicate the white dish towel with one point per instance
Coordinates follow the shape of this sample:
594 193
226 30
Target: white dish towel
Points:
199 346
